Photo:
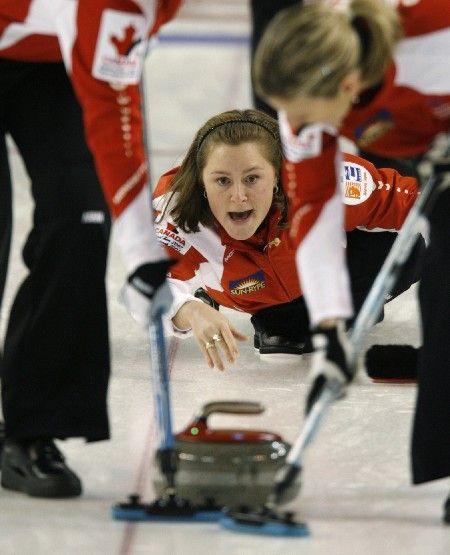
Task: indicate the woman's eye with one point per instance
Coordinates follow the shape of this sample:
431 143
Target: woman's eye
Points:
251 179
223 180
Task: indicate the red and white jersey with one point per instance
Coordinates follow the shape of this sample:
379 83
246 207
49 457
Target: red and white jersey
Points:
103 45
261 271
402 120
413 105
317 218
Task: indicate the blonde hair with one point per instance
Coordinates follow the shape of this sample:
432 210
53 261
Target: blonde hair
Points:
189 207
308 49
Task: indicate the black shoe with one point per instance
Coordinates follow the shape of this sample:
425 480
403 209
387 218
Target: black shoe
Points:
37 468
446 517
203 295
276 348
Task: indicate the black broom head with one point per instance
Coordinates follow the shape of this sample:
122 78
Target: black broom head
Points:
396 363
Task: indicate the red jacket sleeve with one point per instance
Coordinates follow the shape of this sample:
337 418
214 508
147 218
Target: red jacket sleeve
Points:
375 198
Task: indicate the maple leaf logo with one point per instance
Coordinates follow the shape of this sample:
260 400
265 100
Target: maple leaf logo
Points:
127 43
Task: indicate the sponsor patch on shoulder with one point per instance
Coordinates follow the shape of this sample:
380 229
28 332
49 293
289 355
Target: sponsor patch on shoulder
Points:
168 235
120 48
356 183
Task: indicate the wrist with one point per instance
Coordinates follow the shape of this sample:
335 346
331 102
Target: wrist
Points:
183 318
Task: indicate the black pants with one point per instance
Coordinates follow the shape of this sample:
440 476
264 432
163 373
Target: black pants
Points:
431 430
366 252
55 364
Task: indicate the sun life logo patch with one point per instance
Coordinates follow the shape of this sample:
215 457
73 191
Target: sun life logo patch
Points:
249 284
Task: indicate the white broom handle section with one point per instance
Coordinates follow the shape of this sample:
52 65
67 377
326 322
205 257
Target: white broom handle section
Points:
160 383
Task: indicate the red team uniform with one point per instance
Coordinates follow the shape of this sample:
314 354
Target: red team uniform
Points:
103 44
69 97
413 104
400 120
260 272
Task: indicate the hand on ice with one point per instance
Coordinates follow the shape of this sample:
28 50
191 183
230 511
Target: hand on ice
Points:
215 334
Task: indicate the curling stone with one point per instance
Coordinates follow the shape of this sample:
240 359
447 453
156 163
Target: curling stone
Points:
232 467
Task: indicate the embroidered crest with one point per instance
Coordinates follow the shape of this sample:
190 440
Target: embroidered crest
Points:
356 183
120 48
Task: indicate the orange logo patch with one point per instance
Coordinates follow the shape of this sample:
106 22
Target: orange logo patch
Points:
352 189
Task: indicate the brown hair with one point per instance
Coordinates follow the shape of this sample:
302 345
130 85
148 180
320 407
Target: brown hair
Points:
187 205
308 49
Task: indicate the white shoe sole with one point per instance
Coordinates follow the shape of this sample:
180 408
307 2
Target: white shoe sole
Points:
279 358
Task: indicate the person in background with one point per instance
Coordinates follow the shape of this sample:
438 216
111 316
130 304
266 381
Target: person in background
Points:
223 214
69 98
314 64
397 122
261 13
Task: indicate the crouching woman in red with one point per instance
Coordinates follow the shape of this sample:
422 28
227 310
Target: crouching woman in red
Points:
223 214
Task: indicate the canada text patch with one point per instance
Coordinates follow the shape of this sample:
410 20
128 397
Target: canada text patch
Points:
169 236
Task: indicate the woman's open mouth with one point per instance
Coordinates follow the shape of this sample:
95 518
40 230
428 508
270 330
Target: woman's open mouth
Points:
240 217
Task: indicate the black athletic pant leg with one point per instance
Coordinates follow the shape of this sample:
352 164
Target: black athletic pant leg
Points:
56 354
5 214
431 429
366 253
289 320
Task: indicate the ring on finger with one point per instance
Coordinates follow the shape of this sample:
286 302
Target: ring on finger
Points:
209 345
217 337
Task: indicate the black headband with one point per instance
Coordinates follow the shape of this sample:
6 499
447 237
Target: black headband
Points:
211 129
